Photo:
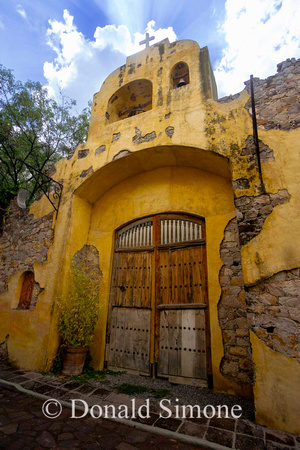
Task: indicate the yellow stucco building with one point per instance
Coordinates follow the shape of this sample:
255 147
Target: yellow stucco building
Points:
199 254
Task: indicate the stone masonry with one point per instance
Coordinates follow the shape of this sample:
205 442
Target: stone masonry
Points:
253 211
273 312
236 363
273 303
24 241
277 98
88 259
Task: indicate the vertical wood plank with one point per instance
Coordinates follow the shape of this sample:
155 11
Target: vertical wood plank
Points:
172 337
130 339
163 362
200 363
118 359
164 272
157 283
143 323
112 340
127 339
179 277
188 343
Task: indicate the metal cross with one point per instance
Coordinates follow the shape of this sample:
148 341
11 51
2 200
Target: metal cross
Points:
147 40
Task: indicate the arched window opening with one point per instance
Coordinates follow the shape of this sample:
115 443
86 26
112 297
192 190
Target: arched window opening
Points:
130 100
180 75
26 290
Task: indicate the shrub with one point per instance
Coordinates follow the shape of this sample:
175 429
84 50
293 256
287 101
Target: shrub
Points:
78 311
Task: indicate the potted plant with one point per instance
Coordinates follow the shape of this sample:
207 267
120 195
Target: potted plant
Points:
77 317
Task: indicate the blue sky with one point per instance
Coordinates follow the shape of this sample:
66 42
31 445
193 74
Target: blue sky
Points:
74 44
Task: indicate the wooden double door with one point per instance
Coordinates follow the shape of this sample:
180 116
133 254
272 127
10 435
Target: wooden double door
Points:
158 311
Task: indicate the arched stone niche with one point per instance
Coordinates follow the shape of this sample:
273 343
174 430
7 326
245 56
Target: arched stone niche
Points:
180 75
27 280
27 291
131 99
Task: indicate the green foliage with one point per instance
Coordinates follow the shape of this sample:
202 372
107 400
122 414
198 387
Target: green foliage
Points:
57 367
131 389
161 393
36 129
78 311
88 372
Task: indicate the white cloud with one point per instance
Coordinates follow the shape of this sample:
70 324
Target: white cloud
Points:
2 27
259 34
81 65
159 35
120 38
116 38
21 11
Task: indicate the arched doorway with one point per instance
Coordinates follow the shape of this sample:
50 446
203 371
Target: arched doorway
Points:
144 184
158 311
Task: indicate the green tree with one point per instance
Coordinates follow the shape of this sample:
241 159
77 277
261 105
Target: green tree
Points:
34 129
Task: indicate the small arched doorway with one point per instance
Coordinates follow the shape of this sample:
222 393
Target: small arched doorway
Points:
158 311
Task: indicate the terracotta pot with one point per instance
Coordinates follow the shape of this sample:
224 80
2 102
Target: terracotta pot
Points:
73 360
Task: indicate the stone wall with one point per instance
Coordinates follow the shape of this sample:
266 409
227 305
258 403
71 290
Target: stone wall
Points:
236 363
87 259
272 305
253 211
277 98
273 312
24 241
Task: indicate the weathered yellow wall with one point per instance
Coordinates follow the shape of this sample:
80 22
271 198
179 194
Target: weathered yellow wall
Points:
183 109
33 339
28 329
156 67
277 247
182 173
276 389
77 231
185 190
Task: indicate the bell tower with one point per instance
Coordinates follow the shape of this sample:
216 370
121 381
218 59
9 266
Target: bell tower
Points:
153 88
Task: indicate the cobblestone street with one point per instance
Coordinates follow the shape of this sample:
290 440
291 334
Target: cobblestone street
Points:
23 424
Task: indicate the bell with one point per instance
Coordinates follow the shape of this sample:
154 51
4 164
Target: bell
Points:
181 83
